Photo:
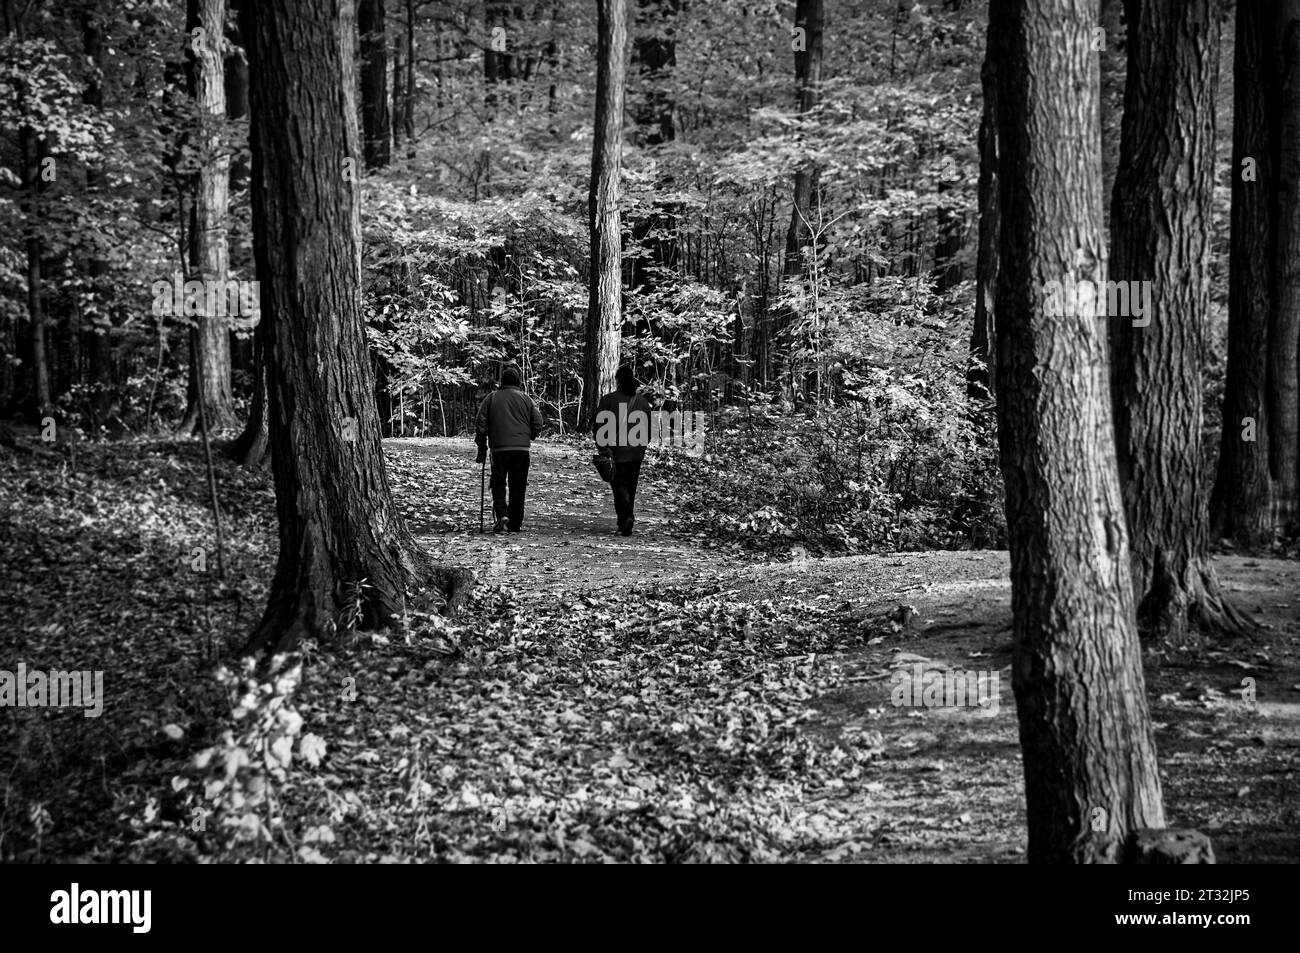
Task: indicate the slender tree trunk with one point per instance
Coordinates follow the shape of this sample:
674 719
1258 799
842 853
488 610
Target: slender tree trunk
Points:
252 448
237 93
947 271
1114 71
31 149
372 26
408 101
808 76
345 553
807 190
399 87
1085 733
1160 227
98 348
654 53
981 373
210 340
1241 506
498 65
605 302
551 55
1284 327
8 379
30 152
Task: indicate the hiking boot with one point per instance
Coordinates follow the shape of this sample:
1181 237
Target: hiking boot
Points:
499 526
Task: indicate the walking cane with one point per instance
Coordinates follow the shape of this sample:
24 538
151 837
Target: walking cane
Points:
482 476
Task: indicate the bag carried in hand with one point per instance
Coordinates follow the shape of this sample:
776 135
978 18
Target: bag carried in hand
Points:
604 466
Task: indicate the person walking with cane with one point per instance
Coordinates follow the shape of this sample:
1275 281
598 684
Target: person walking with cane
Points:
508 422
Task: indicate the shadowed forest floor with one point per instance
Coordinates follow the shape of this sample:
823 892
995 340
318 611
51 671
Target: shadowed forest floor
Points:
663 697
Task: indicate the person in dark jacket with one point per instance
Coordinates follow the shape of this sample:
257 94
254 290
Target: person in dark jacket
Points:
508 422
622 431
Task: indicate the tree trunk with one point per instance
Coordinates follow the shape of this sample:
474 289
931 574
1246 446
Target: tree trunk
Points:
654 53
605 302
1161 221
1085 733
237 93
1114 73
210 339
252 448
1241 506
498 61
808 75
345 553
8 379
408 100
951 222
1284 327
374 83
31 149
551 56
399 87
97 342
981 373
806 203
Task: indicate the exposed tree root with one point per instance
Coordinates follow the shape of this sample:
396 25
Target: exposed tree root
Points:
1190 609
310 599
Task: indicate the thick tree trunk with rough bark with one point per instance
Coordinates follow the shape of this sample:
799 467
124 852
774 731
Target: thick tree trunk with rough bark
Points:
210 339
1241 506
1089 756
1284 327
375 121
345 553
604 324
1161 220
981 373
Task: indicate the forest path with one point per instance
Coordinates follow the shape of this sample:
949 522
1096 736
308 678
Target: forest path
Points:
951 787
569 540
742 712
570 544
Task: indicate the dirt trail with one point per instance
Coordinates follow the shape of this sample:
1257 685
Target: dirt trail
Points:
952 787
569 540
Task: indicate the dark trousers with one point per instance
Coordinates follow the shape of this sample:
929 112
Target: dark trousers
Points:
624 484
509 466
